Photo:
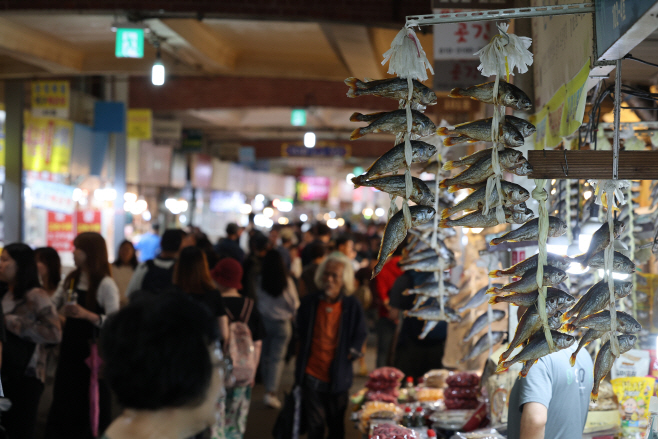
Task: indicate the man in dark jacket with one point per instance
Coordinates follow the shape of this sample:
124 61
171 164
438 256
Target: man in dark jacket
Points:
229 247
413 356
332 330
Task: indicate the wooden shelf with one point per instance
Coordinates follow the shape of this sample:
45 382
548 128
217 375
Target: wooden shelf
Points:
633 165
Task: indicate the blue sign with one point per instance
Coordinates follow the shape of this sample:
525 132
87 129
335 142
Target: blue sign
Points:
614 18
320 150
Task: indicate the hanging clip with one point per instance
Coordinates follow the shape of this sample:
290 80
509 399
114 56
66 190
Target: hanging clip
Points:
566 162
504 33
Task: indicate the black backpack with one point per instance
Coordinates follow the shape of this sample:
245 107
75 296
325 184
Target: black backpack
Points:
157 279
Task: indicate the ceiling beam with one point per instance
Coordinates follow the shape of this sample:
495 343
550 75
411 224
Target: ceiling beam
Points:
214 53
184 93
353 47
37 49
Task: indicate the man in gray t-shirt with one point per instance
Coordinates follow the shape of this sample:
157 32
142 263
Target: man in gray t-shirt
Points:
552 401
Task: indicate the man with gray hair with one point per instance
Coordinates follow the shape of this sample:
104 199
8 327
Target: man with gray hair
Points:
332 330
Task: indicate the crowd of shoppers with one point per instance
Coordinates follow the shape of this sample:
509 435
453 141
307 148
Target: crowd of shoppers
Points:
188 310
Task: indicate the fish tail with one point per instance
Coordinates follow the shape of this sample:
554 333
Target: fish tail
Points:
566 316
496 273
444 223
351 83
452 189
378 267
446 213
444 183
493 300
447 166
502 367
496 241
494 290
455 93
442 131
356 117
572 359
569 327
595 390
358 181
357 134
450 141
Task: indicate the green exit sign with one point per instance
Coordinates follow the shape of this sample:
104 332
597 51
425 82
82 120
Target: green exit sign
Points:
130 43
298 118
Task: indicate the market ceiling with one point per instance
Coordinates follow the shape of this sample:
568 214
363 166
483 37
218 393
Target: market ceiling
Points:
261 58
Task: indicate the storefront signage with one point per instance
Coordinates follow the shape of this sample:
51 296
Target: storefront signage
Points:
51 196
313 188
129 43
88 221
614 18
226 201
51 99
47 145
139 123
449 74
60 233
461 40
201 167
322 149
167 132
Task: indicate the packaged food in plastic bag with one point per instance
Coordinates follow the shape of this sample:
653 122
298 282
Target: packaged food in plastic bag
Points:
386 374
372 408
436 378
382 395
390 431
462 392
485 433
381 384
460 403
634 395
463 379
427 394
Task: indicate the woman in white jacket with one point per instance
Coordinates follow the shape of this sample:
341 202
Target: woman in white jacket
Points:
277 303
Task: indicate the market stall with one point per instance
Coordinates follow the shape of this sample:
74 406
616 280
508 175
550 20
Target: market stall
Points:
576 271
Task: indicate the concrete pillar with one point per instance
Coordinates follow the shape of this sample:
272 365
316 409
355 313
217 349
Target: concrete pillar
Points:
13 188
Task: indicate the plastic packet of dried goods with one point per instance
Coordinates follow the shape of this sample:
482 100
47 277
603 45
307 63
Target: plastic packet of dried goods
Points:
391 431
436 378
462 392
485 433
386 374
634 395
463 379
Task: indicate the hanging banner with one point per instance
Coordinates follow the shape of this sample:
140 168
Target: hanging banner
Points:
321 149
139 123
88 221
563 113
51 99
60 234
615 17
47 145
460 40
561 45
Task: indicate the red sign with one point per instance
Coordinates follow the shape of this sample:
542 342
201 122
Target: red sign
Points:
60 231
313 188
88 221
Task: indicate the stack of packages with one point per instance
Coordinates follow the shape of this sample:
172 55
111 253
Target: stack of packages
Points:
390 431
383 384
462 392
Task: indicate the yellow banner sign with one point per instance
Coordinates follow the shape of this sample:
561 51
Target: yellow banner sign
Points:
140 124
47 145
563 113
51 99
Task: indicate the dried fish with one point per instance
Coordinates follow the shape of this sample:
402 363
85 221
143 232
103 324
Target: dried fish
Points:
508 95
394 160
530 231
482 322
512 192
483 344
393 122
557 261
481 130
393 88
396 185
605 359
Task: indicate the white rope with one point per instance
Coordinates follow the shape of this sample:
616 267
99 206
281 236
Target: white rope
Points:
569 231
608 260
631 227
408 153
539 194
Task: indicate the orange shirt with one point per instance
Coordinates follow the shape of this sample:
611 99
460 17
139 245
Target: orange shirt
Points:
325 340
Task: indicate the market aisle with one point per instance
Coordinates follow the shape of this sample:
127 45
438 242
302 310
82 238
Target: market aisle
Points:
261 419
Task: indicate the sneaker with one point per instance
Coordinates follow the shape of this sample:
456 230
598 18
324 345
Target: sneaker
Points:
272 401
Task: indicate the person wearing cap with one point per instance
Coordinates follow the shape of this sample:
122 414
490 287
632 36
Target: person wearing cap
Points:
227 275
229 247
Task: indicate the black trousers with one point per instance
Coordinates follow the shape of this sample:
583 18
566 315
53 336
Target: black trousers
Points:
416 360
24 393
322 408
